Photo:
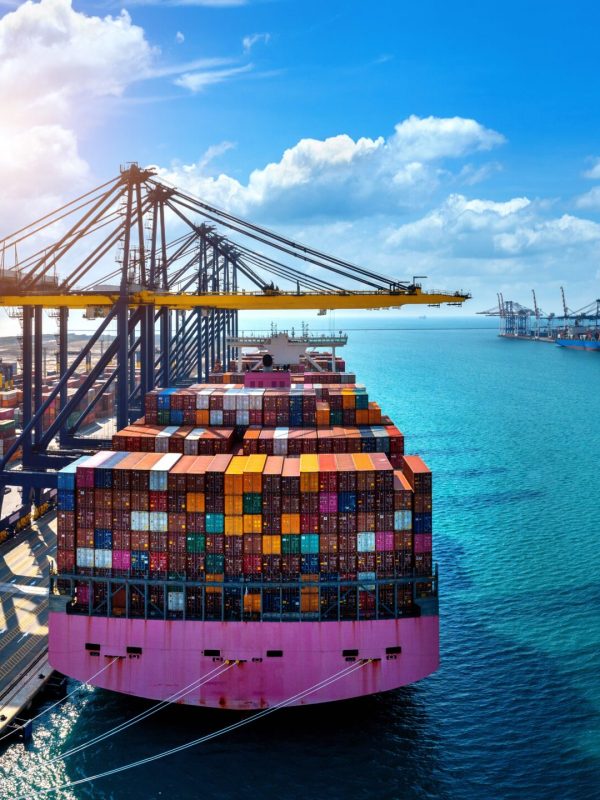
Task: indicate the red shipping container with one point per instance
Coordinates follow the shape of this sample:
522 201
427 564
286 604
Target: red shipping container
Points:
422 543
139 501
121 540
290 564
309 523
195 523
140 540
158 562
252 564
157 501
177 561
234 546
215 543
65 560
290 504
66 540
159 542
366 562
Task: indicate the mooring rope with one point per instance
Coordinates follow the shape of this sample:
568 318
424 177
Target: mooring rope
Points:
180 748
69 694
214 673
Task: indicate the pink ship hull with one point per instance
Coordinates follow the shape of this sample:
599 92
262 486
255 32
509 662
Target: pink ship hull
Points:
173 657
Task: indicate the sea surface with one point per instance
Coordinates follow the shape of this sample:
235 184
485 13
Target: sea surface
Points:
511 430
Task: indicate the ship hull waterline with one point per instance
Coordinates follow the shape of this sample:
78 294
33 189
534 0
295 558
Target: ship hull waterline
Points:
590 346
173 656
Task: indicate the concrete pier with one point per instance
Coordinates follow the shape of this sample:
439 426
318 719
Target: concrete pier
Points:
24 578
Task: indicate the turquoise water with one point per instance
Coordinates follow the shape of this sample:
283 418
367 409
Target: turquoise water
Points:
511 431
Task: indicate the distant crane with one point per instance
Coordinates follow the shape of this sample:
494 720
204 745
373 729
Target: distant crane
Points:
537 315
565 308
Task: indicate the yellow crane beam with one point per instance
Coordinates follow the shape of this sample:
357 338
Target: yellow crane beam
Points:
241 301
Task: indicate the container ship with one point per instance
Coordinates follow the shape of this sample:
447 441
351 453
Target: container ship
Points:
589 343
268 520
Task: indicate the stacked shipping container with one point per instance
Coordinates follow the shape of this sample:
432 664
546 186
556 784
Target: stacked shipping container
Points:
292 501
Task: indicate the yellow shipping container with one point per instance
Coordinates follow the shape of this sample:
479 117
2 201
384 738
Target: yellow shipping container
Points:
253 473
234 475
309 472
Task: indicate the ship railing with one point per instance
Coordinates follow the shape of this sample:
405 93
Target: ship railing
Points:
322 600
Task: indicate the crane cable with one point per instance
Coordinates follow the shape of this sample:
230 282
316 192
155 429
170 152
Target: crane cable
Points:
241 723
62 699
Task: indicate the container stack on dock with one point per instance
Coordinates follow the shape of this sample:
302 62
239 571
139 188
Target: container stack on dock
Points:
279 495
9 401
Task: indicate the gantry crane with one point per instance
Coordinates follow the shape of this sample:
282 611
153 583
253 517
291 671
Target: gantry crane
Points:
176 276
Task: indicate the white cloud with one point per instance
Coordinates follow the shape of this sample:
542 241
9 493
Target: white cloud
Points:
486 229
198 81
345 177
594 171
179 37
544 235
248 42
589 200
55 65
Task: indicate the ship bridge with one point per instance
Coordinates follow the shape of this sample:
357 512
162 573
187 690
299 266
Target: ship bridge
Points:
287 347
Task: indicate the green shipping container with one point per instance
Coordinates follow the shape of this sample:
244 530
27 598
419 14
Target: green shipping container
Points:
290 544
195 543
252 503
215 563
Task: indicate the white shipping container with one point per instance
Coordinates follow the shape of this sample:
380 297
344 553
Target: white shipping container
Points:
103 559
158 521
365 542
140 521
242 417
366 576
85 557
216 417
203 399
229 401
190 443
160 471
403 520
175 601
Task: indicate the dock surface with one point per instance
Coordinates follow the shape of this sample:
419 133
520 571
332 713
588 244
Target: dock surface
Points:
24 578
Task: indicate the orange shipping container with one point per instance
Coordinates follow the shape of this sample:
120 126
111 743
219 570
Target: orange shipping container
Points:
234 525
271 545
252 523
253 469
202 417
234 504
290 523
195 502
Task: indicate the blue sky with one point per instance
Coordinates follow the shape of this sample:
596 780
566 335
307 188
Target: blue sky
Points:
457 140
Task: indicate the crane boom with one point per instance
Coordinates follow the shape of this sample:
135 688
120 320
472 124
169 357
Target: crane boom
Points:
240 300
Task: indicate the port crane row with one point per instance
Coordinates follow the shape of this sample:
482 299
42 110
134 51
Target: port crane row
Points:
174 278
522 321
